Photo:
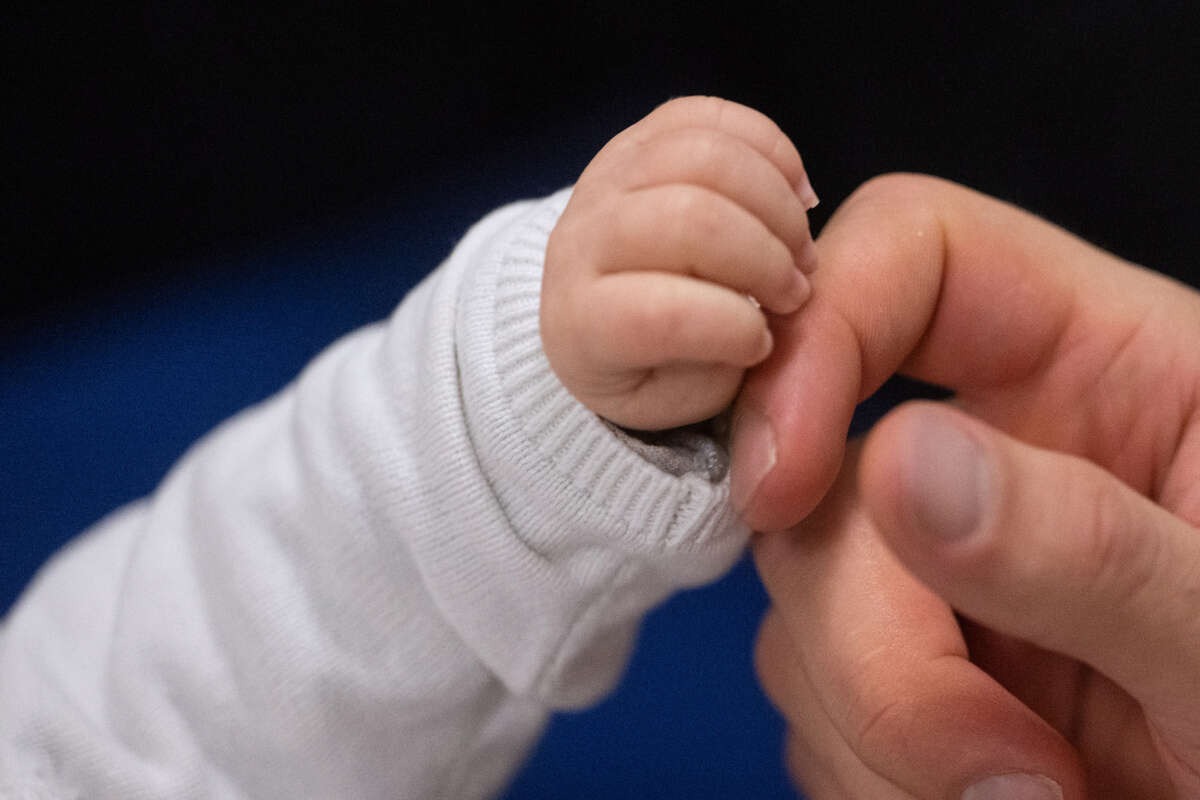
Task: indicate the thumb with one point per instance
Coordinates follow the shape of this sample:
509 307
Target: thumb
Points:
1046 547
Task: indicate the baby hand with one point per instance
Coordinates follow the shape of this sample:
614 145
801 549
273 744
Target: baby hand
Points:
679 221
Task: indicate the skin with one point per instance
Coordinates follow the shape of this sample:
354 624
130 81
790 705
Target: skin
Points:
920 641
645 314
1006 584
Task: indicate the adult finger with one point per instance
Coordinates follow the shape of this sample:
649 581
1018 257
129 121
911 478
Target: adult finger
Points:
818 758
886 662
1051 549
952 287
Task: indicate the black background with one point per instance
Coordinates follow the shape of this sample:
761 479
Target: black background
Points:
142 135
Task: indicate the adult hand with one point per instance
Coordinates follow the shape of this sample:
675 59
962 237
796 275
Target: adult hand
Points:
1053 504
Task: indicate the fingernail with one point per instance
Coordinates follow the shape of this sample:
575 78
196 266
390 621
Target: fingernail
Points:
768 344
1014 787
806 260
801 288
948 473
806 194
754 456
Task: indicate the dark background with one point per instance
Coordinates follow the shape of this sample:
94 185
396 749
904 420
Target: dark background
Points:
197 199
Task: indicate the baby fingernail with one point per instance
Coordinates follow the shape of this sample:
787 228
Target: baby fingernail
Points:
754 455
1014 787
806 194
801 288
806 259
766 346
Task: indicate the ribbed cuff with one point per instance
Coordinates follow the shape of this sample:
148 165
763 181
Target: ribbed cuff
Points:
686 512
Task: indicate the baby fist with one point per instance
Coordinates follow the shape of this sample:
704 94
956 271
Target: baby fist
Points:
678 235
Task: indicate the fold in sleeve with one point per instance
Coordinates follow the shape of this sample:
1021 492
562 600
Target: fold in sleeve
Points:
376 584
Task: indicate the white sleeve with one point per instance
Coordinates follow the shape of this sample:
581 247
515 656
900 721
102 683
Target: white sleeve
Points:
377 584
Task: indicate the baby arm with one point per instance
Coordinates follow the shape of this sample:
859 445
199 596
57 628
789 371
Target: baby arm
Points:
676 224
379 583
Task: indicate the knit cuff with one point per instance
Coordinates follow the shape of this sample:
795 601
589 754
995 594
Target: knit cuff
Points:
653 506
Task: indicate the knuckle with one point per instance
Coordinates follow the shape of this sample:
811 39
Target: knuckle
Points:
888 188
576 240
704 148
730 115
878 719
883 726
1116 556
719 108
699 155
683 103
705 108
647 325
625 234
669 322
697 217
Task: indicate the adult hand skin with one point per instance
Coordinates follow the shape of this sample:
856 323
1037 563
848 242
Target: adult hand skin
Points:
1053 504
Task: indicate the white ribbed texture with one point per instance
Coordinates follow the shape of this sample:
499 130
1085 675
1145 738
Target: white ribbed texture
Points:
375 585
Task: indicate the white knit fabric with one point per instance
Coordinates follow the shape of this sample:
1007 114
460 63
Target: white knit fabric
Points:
376 584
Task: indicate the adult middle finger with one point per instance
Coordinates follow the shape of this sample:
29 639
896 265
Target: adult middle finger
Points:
887 662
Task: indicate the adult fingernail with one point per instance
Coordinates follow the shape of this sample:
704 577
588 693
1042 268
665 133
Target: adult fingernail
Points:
1014 787
806 194
754 455
949 478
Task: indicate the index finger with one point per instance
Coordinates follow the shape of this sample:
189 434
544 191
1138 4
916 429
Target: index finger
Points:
923 276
